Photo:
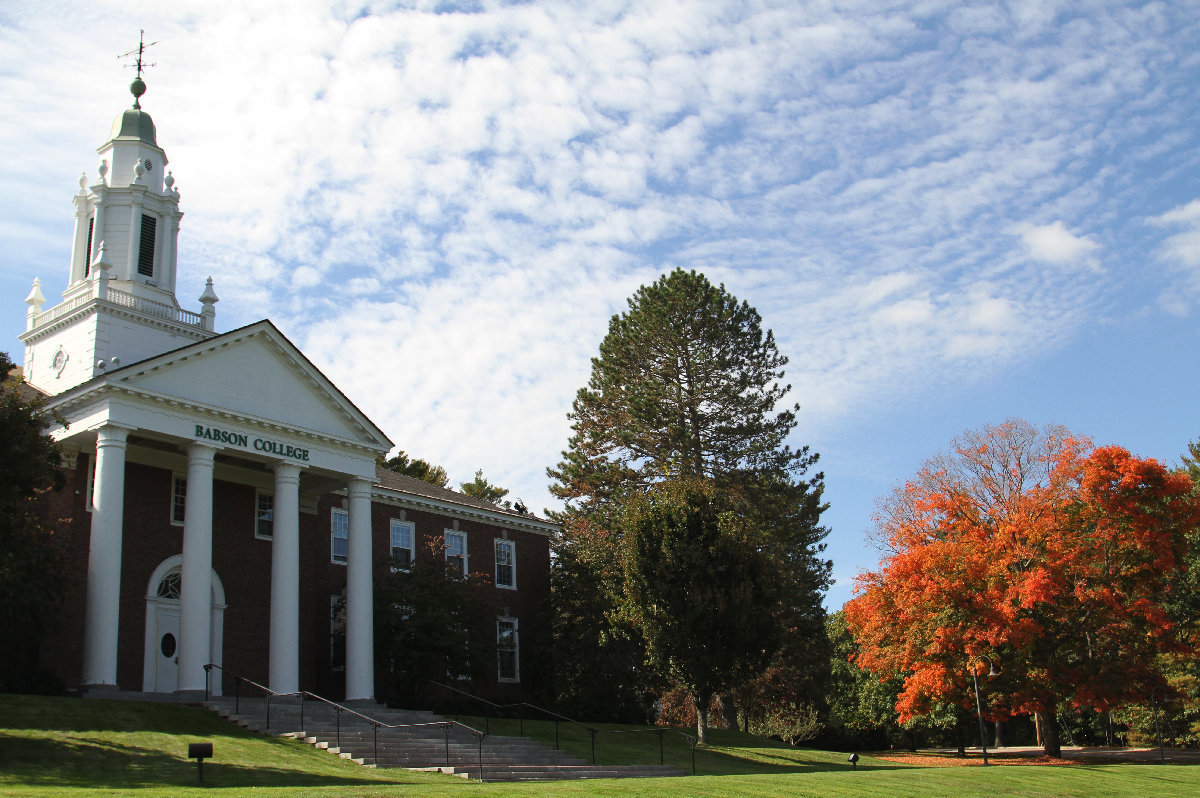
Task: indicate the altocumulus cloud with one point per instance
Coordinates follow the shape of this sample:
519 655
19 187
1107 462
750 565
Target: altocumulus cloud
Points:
443 205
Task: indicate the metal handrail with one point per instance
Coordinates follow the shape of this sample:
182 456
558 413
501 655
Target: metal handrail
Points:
593 731
444 725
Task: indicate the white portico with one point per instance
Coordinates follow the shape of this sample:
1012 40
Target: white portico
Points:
243 402
142 382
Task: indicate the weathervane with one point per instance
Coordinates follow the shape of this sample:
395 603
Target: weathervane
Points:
138 87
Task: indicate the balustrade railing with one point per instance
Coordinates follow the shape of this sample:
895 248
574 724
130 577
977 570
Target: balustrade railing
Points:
446 726
522 707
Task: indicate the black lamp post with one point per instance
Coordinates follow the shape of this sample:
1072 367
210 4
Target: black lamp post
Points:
979 702
1162 757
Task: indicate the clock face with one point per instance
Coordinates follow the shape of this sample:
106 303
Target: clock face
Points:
60 362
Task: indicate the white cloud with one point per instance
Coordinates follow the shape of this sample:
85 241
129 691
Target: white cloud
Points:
1053 243
444 209
1184 246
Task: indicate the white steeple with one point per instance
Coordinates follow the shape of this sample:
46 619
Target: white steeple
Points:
120 296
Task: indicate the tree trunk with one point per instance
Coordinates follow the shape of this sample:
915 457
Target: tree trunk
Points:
912 740
999 734
960 738
1037 728
1048 723
727 709
1110 734
702 702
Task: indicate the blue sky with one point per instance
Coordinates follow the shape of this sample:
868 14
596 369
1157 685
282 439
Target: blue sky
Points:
948 213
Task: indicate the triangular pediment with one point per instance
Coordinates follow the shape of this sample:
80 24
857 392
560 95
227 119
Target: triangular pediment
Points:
256 373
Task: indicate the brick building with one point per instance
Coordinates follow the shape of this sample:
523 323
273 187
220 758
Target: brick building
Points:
223 504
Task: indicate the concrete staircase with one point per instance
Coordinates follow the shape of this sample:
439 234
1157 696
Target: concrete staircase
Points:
424 741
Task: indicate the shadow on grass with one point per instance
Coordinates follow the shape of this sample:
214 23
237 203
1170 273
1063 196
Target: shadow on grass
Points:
717 762
87 762
91 714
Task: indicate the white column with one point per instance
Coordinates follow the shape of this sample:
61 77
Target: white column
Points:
285 581
195 595
360 632
104 559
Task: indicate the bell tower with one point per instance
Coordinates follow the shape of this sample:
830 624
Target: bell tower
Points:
119 305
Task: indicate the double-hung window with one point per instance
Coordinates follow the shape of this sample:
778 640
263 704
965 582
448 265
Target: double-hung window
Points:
507 650
264 516
456 550
178 499
506 564
402 544
339 536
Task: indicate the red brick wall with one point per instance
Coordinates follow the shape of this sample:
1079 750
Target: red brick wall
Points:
243 563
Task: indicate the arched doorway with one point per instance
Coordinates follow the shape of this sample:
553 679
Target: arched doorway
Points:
160 666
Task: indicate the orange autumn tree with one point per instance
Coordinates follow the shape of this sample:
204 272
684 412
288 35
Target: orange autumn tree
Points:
1030 547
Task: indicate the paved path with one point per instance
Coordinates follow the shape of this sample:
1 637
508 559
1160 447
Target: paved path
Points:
1172 755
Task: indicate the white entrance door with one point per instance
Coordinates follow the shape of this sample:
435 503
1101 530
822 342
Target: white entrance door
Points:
166 660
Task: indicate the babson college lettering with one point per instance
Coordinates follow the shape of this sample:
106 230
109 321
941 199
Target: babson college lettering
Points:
259 444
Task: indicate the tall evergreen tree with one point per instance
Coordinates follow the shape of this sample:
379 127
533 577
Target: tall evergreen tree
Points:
480 488
687 385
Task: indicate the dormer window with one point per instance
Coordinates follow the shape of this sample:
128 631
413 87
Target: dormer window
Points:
146 249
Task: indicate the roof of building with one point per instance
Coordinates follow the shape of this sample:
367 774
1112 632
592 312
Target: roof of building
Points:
386 478
24 390
134 123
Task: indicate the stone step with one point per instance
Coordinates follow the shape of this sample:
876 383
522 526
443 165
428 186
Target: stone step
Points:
420 742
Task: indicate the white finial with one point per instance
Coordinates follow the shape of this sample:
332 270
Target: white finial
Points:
100 267
208 314
169 179
36 299
138 170
103 170
82 183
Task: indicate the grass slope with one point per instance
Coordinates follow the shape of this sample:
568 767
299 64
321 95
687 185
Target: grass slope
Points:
75 748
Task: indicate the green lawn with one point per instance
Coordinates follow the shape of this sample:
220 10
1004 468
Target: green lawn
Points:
76 748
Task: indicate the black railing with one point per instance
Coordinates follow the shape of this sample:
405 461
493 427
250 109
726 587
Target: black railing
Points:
446 726
523 707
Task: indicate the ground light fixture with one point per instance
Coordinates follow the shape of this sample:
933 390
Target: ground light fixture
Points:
853 760
199 752
979 703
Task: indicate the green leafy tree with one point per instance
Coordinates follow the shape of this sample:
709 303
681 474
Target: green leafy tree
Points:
417 468
703 596
687 385
29 558
432 623
599 656
480 488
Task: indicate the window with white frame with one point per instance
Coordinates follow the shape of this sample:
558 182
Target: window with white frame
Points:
339 537
178 499
506 564
403 533
508 650
456 550
264 516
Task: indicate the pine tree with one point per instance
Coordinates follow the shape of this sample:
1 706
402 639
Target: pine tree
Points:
687 386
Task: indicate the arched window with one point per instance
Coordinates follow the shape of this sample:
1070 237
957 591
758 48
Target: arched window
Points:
169 587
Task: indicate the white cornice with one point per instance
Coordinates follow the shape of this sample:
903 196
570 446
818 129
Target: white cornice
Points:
110 390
